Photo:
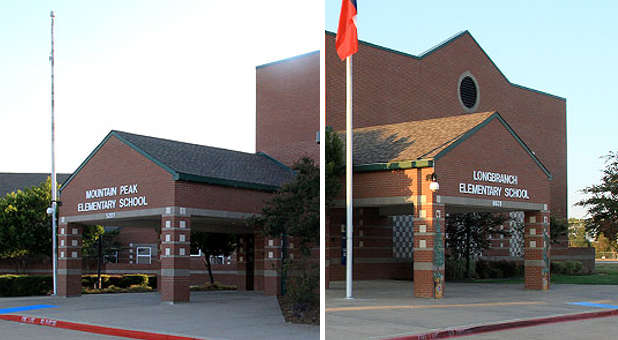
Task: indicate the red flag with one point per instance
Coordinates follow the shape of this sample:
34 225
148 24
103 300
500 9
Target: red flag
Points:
347 37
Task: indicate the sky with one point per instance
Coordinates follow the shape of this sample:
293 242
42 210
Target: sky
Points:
566 48
183 70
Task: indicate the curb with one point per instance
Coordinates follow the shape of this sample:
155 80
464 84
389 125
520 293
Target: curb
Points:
82 327
456 332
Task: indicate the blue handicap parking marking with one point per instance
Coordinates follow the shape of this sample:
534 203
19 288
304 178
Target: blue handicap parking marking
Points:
24 308
590 304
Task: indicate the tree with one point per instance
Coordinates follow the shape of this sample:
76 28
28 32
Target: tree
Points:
335 165
602 203
468 234
295 208
25 227
577 233
294 211
558 228
212 244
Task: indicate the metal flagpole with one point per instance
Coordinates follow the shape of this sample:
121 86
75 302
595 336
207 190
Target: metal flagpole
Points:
53 165
348 176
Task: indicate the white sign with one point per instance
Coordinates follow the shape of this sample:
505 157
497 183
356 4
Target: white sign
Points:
493 190
112 203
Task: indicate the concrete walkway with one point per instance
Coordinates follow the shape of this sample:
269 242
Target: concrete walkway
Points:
210 315
383 309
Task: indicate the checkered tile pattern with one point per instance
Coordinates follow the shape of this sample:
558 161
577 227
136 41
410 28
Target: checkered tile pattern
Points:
403 236
517 236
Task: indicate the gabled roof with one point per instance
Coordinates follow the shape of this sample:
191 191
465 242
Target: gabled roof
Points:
206 164
418 143
446 43
13 181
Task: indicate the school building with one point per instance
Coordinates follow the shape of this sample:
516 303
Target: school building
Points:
155 191
451 117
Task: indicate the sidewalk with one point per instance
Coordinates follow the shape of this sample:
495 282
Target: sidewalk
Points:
210 315
383 309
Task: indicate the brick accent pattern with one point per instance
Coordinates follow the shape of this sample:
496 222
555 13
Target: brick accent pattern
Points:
175 258
426 218
272 265
69 260
536 256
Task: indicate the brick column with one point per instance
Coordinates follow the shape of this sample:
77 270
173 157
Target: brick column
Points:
241 263
175 259
69 260
272 266
536 250
427 217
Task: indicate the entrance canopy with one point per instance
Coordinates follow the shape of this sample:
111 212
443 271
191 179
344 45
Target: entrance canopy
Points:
478 159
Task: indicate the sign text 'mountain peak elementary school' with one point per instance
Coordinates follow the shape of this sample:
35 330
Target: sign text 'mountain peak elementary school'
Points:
122 190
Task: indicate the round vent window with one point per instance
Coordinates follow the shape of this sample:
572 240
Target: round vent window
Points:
468 92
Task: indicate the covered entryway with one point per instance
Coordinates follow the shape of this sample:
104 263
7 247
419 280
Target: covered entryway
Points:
172 188
479 163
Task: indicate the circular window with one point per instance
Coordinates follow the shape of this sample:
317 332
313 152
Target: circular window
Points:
468 92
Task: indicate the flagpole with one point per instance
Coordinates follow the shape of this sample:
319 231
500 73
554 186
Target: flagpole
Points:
53 163
348 177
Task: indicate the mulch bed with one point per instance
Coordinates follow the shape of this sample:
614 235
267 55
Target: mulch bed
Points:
307 314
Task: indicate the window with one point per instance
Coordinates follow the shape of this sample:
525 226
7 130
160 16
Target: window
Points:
143 255
196 253
112 257
468 91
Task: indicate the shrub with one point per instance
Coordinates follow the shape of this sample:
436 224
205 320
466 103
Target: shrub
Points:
122 281
455 269
25 285
567 268
498 270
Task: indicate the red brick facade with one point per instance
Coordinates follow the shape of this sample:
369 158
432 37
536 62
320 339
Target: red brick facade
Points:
391 87
288 108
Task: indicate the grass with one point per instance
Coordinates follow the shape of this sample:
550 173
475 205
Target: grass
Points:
212 286
605 274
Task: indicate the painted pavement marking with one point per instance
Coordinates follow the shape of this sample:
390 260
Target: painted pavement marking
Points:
84 327
24 308
489 304
594 304
466 331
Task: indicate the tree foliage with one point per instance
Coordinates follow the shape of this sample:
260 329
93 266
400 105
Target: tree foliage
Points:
558 228
295 208
335 165
602 201
25 227
212 244
468 234
577 234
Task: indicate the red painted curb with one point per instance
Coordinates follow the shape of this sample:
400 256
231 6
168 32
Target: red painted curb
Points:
92 328
456 332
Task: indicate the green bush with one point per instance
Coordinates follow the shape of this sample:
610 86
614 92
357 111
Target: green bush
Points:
25 285
498 269
567 268
455 269
121 281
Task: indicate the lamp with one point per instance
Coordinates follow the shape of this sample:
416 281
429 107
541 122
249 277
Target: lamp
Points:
434 186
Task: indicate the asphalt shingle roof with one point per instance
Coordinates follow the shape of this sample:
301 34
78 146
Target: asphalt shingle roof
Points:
411 140
12 181
211 162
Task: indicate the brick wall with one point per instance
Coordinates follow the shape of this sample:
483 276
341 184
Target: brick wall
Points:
390 87
288 108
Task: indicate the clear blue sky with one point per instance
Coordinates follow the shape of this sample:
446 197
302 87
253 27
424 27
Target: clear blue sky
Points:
567 48
182 70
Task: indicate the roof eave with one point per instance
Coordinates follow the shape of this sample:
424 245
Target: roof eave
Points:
398 165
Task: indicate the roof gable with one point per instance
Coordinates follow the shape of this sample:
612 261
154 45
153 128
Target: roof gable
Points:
418 143
199 163
447 42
